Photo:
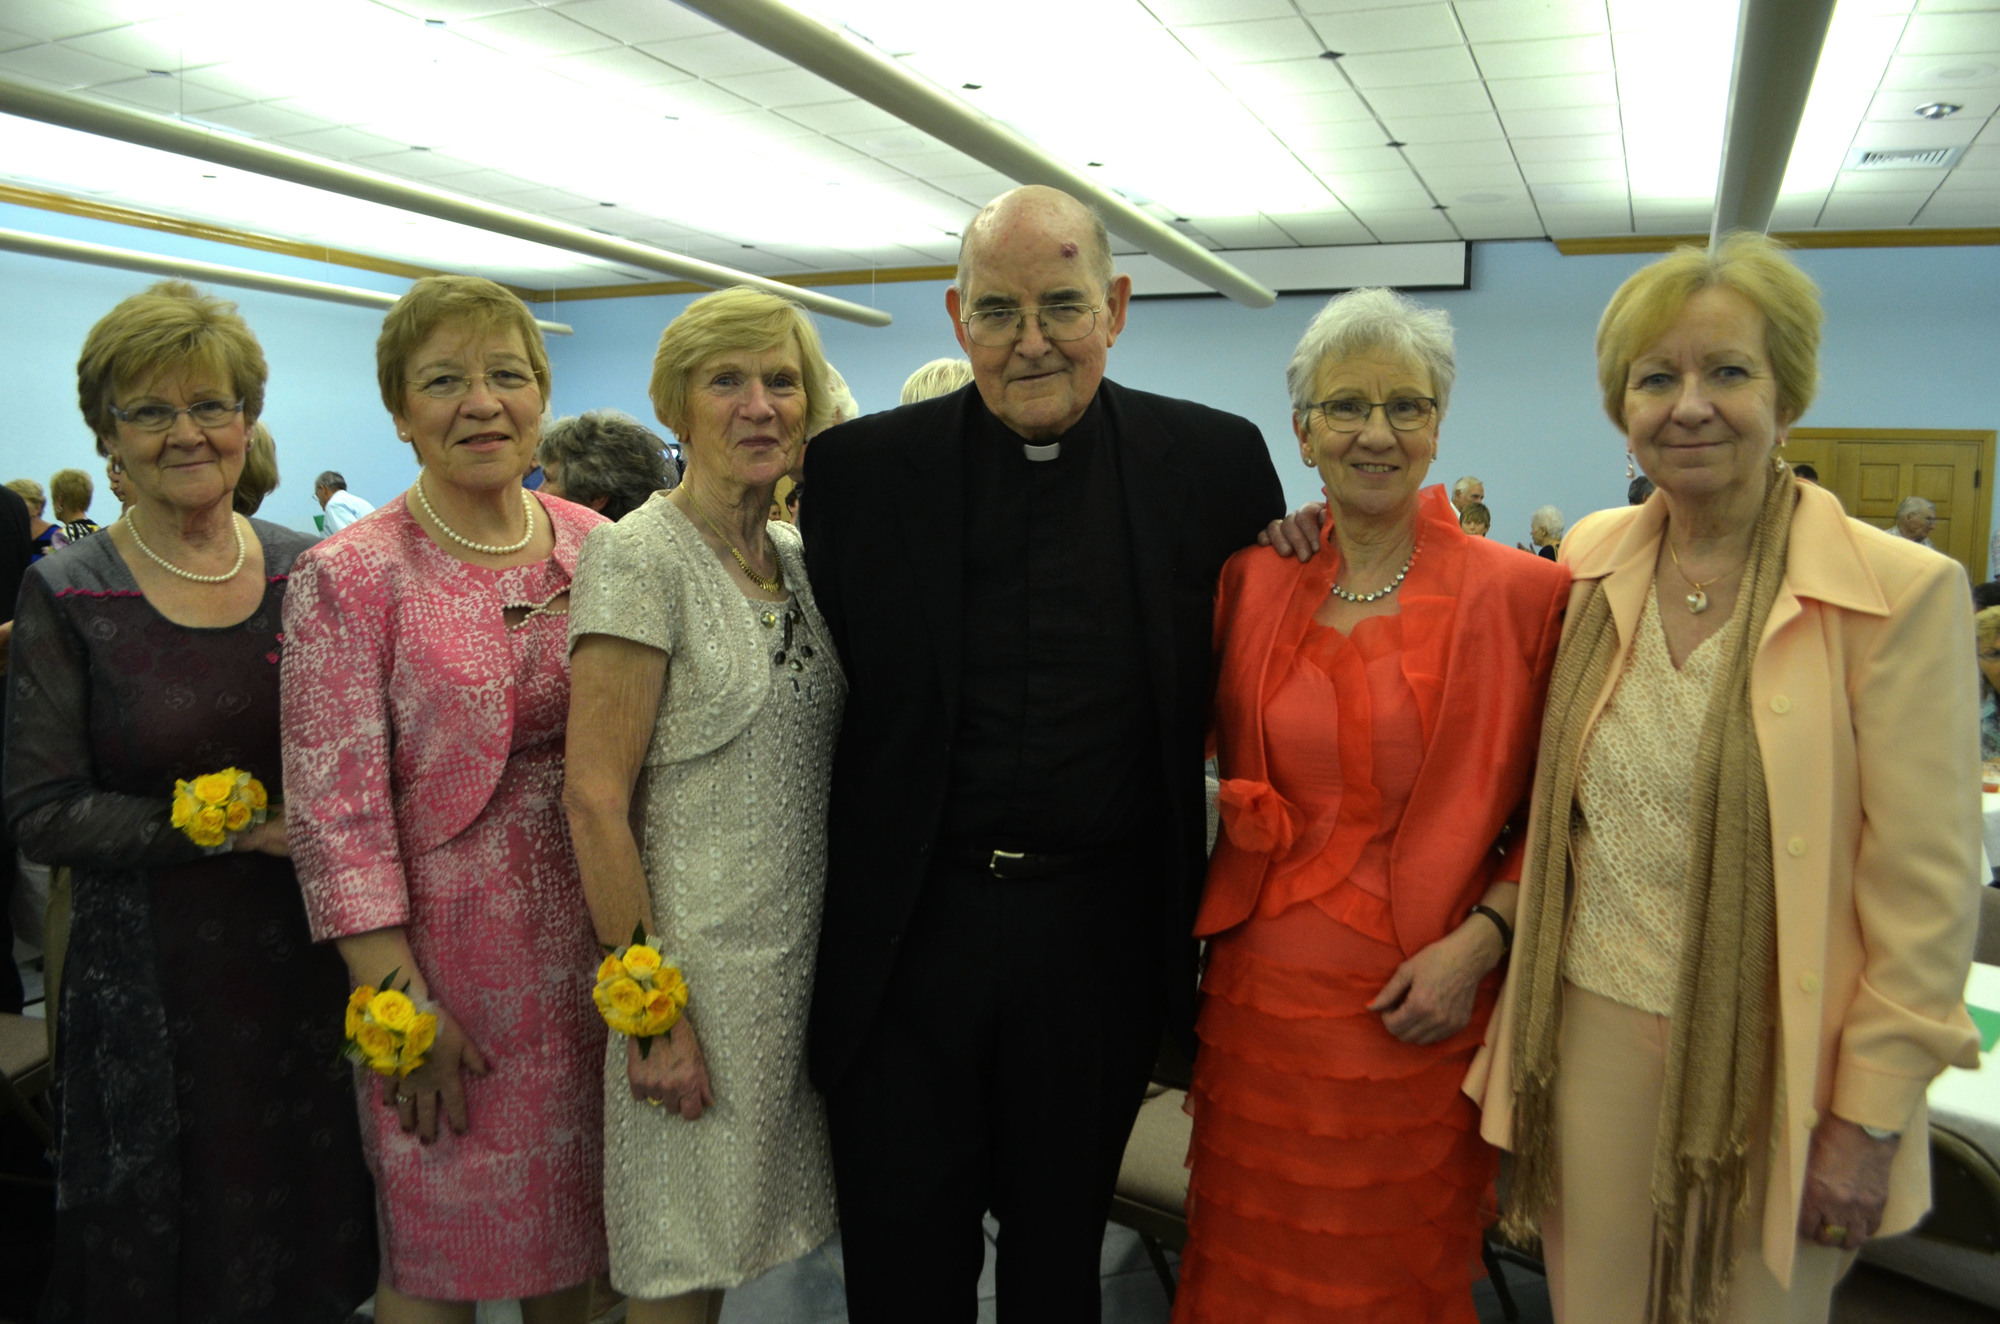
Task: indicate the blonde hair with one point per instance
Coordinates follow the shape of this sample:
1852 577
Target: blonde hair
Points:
169 327
1752 265
29 491
260 471
70 489
737 319
938 377
435 300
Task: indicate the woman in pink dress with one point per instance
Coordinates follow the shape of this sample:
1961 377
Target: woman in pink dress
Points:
426 689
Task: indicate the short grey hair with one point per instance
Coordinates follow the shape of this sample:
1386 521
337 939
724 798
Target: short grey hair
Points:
605 453
1102 269
1546 523
1464 485
1374 320
1914 504
330 479
938 377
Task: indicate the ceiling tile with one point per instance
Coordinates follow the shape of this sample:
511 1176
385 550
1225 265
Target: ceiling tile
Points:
1430 156
902 140
532 33
1511 94
782 87
455 10
265 119
1397 227
1797 213
1186 13
1563 123
1283 78
1651 217
1574 172
1408 27
1900 106
1961 182
1593 192
1244 231
637 21
1497 223
1323 227
1510 196
1444 64
1948 34
1962 69
1322 108
1449 181
154 45
11 40
341 144
1851 182
690 101
763 128
167 96
1983 145
1463 98
1916 133
1870 211
52 20
1448 128
1251 43
1315 138
722 55
620 66
1525 20
59 66
1585 220
1375 185
1357 161
1968 209
1544 59
850 115
413 164
977 189
1581 147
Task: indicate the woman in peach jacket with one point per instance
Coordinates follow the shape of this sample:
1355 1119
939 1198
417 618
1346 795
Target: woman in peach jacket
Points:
1748 904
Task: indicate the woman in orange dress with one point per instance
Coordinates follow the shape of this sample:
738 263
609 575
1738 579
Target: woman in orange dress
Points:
1376 716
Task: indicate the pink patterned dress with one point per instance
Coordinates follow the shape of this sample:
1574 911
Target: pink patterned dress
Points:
424 709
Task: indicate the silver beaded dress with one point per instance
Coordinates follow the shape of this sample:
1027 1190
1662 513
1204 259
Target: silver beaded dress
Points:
732 811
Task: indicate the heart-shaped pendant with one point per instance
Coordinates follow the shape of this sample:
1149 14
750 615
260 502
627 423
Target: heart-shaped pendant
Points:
1697 602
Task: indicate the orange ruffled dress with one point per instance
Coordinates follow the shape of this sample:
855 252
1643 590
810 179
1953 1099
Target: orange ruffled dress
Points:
1337 1172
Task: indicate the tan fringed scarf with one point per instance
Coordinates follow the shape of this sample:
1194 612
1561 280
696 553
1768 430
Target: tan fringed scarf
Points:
1721 1045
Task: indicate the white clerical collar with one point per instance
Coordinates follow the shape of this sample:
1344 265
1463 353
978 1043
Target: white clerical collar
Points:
1040 453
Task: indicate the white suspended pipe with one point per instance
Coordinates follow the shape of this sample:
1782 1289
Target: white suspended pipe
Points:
101 255
1778 44
877 79
169 135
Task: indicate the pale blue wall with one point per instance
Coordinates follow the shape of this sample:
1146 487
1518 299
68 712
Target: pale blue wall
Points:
1911 341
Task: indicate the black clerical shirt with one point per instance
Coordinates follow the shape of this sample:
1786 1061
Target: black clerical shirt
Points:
1057 746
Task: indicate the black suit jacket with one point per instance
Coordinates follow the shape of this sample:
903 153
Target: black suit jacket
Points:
884 539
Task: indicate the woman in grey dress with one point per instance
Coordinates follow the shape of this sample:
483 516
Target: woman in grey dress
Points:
704 704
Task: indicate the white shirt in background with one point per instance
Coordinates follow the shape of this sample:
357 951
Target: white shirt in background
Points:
342 509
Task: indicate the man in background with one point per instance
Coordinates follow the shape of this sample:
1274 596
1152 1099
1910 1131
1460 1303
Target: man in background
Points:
1915 519
1467 491
342 506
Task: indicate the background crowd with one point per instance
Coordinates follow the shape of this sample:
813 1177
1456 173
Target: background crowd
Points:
912 794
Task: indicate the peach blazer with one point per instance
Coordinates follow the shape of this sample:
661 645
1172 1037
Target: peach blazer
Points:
1868 716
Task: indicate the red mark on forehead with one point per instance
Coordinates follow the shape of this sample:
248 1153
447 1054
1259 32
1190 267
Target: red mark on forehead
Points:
1068 249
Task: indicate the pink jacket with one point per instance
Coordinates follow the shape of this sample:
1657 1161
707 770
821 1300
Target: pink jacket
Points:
398 709
1867 713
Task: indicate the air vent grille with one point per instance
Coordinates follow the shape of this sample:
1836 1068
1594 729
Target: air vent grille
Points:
1904 158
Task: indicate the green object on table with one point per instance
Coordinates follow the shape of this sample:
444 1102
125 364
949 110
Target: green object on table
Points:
1988 1023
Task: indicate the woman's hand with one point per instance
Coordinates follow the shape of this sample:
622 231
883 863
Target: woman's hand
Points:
418 1096
673 1075
268 836
1430 996
1847 1184
1297 534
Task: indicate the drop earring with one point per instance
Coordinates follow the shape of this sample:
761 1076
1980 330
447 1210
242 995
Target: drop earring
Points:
1631 467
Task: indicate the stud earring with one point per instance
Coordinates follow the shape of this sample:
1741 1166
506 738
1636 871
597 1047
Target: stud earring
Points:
1308 460
1631 467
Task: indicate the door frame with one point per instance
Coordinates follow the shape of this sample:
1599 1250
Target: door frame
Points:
1982 502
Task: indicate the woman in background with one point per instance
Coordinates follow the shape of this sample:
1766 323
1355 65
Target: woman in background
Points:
40 532
69 493
211 1167
605 460
426 689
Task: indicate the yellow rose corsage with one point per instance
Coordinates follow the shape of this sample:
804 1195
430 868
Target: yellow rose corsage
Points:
386 1032
638 993
214 805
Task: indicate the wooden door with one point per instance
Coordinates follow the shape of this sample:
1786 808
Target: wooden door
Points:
1872 470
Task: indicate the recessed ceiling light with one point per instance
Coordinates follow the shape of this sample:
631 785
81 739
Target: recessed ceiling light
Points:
1096 164
1937 110
1959 73
972 87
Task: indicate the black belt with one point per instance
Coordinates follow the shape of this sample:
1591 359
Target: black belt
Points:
1023 865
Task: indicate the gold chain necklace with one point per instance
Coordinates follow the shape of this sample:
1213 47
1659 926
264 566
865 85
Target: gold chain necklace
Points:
776 585
1697 601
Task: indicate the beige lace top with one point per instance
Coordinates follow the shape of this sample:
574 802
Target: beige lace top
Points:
1630 833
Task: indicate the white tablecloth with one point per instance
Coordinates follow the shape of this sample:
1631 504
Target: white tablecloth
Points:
1968 1102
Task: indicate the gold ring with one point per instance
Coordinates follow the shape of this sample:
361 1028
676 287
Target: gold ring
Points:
652 1103
1834 1231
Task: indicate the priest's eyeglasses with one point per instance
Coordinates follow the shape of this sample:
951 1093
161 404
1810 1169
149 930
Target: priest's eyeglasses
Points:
1406 413
999 327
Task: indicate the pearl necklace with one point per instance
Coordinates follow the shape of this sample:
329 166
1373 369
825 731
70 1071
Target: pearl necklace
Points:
1379 593
483 548
242 553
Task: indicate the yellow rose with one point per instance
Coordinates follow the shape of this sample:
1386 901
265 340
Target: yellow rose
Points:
423 1033
669 981
375 1042
612 969
206 827
625 997
237 816
184 807
393 1010
214 788
662 1013
641 960
357 1003
253 792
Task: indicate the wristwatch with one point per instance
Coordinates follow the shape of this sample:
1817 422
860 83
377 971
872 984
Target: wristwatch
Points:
1880 1132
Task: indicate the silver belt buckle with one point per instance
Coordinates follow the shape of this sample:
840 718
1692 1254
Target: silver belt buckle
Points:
993 865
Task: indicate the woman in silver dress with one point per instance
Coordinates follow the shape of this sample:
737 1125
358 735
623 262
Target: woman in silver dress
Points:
704 704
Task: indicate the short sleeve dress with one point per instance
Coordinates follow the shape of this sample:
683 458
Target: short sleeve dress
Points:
211 1168
425 704
733 839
